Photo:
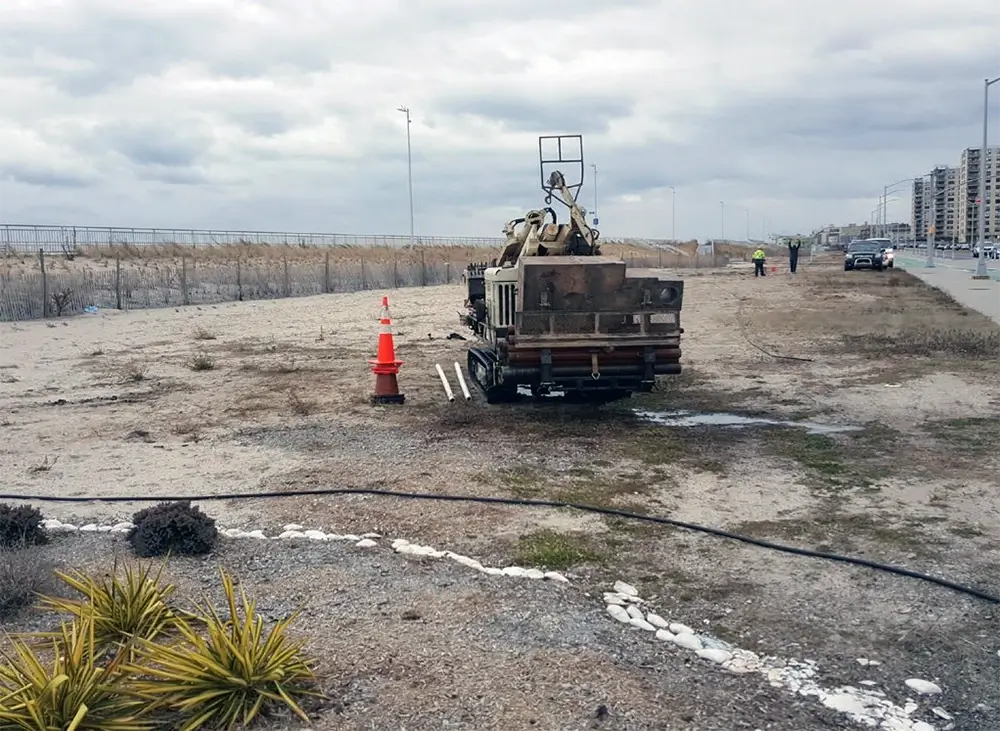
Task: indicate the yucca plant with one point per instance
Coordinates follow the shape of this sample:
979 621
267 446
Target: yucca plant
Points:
63 688
232 674
123 609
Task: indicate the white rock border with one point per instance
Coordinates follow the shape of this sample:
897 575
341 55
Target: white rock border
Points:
293 531
863 706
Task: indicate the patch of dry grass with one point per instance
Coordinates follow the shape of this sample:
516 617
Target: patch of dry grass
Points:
201 362
967 343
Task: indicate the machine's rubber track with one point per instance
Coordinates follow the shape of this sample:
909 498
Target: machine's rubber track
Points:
483 367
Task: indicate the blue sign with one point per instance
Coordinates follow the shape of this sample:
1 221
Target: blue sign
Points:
595 221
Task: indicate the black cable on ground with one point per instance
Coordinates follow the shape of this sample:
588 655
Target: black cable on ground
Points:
897 570
743 332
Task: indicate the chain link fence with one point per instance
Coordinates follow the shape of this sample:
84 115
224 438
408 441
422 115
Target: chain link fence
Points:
52 289
30 238
58 271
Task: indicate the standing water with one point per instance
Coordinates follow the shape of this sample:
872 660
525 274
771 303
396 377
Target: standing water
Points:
694 418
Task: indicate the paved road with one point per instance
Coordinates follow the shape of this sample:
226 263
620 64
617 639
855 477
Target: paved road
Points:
949 255
955 278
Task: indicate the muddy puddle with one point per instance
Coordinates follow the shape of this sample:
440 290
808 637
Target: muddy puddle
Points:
736 421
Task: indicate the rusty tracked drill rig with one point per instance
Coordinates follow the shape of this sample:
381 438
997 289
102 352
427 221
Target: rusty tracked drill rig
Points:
554 315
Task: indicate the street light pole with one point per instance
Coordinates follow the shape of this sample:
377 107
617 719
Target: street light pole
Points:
673 214
594 165
722 220
885 204
409 167
981 272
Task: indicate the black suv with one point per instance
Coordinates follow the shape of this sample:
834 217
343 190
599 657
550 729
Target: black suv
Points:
865 255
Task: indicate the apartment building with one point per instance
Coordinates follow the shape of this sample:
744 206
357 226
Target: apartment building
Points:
967 222
920 209
936 201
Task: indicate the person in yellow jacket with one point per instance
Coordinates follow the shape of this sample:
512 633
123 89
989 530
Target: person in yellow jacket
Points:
758 262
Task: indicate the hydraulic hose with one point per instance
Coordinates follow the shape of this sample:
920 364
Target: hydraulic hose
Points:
526 502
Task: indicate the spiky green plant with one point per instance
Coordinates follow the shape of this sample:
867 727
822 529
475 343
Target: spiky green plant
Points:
232 674
124 609
64 688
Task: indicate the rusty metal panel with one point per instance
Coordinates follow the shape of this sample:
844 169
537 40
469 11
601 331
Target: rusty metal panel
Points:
589 284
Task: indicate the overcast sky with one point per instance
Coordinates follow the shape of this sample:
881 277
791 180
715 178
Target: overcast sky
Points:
281 114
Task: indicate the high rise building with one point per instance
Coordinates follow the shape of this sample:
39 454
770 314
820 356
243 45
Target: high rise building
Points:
921 209
968 186
935 204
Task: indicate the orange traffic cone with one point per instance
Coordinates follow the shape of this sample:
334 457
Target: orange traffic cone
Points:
385 366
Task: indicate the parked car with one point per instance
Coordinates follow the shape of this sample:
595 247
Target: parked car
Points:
989 251
886 246
865 255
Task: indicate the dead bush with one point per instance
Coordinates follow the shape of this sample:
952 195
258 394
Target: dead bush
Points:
298 405
132 371
24 573
201 362
62 301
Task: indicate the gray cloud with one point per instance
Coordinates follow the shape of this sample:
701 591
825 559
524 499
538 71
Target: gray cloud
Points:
178 145
288 120
578 114
43 177
262 122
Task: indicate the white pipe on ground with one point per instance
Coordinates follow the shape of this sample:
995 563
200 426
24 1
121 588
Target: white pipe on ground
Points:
444 380
461 382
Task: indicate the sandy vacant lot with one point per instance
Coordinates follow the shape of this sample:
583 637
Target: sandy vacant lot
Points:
272 395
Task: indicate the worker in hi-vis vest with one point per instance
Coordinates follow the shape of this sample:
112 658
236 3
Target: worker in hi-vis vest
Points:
758 263
793 253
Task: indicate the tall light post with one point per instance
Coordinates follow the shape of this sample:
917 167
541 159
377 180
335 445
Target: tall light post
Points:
673 214
981 272
722 220
593 165
747 209
885 203
409 166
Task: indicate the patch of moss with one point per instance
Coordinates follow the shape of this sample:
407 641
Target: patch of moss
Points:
551 550
850 462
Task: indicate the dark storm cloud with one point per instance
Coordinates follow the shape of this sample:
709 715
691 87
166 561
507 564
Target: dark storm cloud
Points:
43 177
581 114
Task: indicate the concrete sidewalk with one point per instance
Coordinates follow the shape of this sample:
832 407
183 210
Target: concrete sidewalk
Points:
977 294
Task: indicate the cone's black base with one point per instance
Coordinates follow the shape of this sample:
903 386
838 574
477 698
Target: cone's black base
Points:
397 398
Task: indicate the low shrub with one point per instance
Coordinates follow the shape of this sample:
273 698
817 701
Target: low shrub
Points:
21 527
233 674
63 686
174 527
24 574
123 609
